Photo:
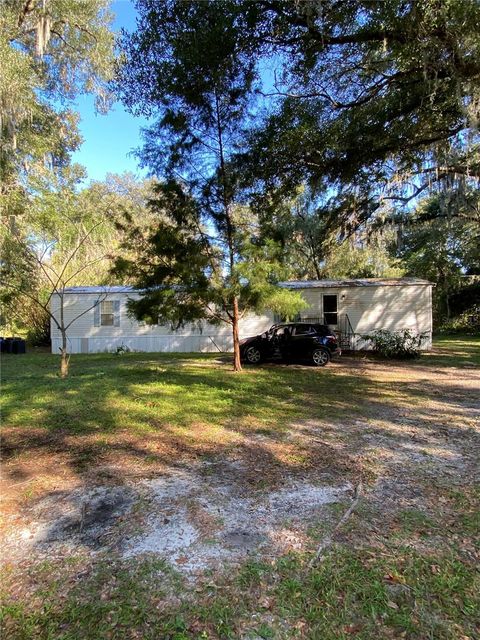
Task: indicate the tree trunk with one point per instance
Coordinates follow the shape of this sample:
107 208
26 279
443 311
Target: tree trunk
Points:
227 199
65 358
237 365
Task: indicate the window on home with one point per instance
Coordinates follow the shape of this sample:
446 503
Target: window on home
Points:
330 309
107 313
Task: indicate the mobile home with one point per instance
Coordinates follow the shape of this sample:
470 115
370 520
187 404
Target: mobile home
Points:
100 322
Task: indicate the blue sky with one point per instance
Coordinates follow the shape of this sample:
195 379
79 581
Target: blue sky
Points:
110 139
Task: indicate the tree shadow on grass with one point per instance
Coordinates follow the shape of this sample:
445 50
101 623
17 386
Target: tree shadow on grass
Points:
118 418
121 419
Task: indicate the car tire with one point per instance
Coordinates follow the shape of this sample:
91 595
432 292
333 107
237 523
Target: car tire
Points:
253 355
320 357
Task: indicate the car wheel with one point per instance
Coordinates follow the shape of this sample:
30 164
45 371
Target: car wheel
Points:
320 357
253 355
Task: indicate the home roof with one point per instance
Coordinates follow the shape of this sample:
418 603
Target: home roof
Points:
290 284
356 282
105 289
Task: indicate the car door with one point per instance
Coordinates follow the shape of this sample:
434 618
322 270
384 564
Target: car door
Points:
300 344
279 342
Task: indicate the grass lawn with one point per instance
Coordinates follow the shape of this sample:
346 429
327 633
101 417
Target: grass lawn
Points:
404 565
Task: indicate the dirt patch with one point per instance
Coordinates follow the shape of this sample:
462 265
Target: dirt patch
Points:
65 522
199 521
192 518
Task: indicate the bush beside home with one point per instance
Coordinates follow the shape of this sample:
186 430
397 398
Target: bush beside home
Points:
402 344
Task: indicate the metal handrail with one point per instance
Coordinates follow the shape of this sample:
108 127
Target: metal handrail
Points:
344 326
351 332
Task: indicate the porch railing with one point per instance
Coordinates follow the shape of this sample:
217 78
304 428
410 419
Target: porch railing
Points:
343 328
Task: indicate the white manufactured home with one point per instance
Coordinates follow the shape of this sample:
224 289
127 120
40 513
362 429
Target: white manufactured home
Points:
100 322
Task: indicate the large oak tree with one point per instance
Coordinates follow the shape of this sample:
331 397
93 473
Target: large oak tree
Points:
50 51
371 102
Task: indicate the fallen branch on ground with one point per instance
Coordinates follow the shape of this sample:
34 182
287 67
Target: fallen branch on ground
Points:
17 484
328 539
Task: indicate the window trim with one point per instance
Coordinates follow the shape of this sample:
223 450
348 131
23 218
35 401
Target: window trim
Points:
99 314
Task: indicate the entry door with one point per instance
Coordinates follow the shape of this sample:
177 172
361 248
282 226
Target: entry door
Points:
330 308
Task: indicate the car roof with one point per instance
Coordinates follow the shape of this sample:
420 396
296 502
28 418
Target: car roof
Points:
295 324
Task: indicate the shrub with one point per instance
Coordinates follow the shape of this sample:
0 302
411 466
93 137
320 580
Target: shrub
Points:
468 323
395 344
122 349
39 333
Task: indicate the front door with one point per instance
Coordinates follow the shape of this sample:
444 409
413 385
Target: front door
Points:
330 308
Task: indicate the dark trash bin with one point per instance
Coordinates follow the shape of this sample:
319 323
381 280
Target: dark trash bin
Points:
7 345
18 345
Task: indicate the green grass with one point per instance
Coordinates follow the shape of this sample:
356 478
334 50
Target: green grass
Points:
145 392
381 587
366 593
454 351
121 405
374 594
126 403
140 391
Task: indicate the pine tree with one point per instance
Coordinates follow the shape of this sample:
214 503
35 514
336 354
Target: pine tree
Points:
186 66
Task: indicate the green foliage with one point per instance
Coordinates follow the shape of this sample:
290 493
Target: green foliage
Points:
395 344
467 296
181 272
65 238
442 249
19 269
286 304
364 256
204 258
310 246
169 262
259 269
466 323
371 101
49 52
366 104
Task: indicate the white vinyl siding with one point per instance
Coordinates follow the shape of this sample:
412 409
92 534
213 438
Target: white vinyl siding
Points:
127 332
368 308
378 307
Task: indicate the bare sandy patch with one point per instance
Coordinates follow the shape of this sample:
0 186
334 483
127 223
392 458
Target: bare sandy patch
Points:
192 519
267 523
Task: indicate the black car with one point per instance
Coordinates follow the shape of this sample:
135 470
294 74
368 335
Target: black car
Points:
298 341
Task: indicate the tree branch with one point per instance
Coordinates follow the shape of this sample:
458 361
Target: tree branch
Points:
100 298
28 7
328 540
